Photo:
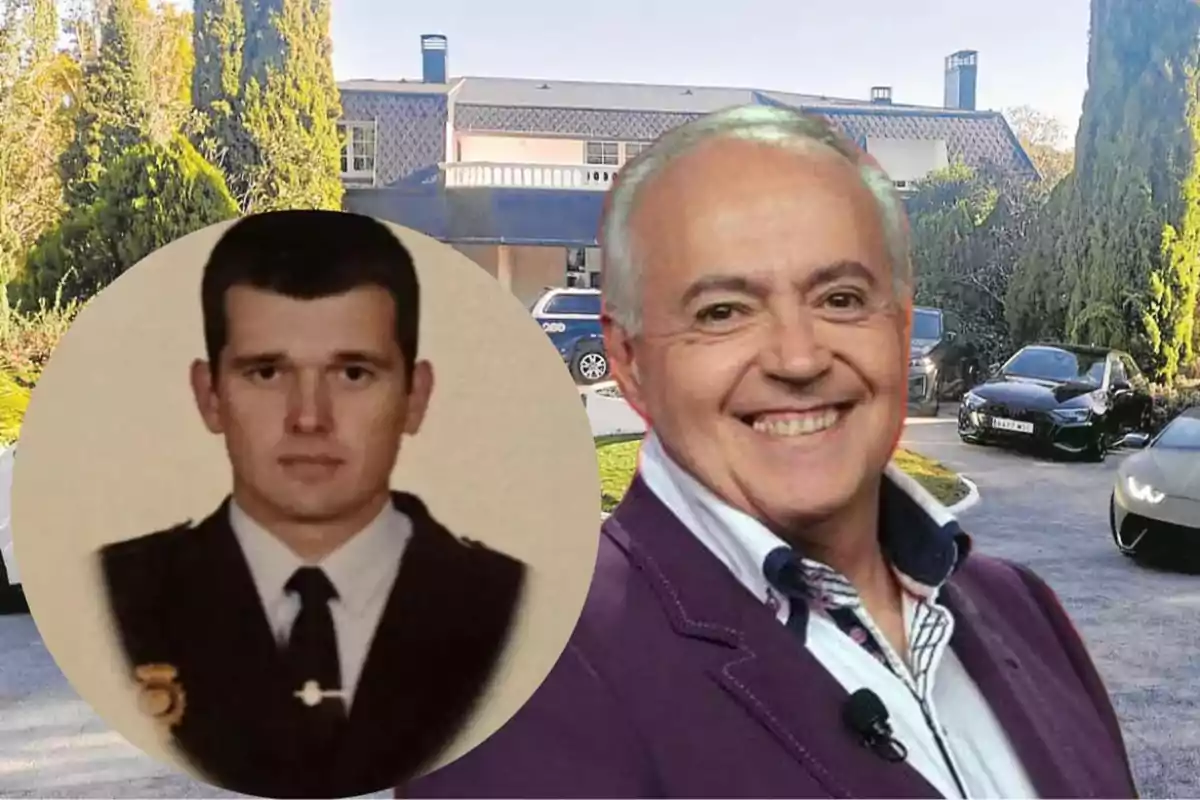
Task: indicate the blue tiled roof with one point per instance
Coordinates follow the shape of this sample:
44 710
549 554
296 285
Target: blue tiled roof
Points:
410 124
601 96
644 126
413 118
978 138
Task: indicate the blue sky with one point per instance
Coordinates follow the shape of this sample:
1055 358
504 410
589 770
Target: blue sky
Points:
1031 52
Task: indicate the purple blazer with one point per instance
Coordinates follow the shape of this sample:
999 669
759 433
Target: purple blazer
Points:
678 683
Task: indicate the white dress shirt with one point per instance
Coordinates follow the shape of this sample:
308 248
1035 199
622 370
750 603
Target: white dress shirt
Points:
936 684
362 570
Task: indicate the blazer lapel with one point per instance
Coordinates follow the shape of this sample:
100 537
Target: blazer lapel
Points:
1041 736
756 662
427 662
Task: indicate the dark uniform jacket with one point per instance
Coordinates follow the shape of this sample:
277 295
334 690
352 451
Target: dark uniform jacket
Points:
188 614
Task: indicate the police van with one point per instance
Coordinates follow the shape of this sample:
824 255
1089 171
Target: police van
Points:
571 318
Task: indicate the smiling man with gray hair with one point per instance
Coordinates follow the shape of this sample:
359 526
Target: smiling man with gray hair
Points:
777 611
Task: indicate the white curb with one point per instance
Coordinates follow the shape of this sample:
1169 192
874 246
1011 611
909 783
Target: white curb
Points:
594 387
967 502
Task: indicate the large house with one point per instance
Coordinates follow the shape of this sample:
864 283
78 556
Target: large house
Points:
512 171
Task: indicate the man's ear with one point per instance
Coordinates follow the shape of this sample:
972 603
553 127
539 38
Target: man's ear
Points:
419 392
204 392
620 348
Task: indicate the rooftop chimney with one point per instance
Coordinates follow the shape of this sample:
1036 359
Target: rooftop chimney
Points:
881 95
962 72
433 58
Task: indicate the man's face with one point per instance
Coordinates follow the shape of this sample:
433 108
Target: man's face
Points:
772 359
312 400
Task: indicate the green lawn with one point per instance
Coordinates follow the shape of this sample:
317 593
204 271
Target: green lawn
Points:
618 462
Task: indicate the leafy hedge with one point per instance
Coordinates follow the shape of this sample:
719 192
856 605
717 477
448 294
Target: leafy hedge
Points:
27 340
152 196
14 399
1169 401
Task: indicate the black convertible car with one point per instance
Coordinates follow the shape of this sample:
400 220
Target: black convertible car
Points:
1068 399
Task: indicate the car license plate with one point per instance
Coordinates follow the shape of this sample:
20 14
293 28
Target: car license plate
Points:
1002 424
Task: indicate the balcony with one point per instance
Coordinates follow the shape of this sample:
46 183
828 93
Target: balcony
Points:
565 177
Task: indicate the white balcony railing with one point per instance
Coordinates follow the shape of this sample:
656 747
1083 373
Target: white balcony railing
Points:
576 177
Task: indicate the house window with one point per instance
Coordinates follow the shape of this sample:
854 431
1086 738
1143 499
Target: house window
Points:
633 149
358 150
606 154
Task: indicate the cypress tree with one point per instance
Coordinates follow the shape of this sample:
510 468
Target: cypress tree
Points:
218 41
1129 257
274 128
115 102
1035 306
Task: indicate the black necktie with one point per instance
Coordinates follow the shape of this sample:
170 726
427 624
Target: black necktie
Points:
312 655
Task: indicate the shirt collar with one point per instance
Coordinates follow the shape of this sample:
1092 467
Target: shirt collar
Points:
737 539
357 569
920 537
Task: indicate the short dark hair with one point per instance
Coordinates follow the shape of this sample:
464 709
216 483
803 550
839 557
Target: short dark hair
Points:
306 254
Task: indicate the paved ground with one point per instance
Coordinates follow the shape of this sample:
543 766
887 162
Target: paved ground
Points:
1143 627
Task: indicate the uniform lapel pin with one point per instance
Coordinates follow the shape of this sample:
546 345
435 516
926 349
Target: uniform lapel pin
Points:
161 696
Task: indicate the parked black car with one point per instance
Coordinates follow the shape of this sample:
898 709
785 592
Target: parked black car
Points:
942 362
1066 399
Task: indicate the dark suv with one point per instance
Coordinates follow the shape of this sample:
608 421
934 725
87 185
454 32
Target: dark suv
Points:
942 363
571 318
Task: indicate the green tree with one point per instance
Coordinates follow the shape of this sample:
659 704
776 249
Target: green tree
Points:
167 34
116 103
1044 138
218 40
1036 301
151 196
36 86
264 81
82 20
968 231
1129 255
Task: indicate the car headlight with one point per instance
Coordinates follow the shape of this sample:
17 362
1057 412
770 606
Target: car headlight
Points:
972 400
920 362
1072 414
1143 491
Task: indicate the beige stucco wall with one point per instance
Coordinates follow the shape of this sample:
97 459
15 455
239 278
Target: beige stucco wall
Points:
520 149
531 268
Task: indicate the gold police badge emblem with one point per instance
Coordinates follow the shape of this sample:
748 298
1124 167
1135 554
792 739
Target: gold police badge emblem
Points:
161 696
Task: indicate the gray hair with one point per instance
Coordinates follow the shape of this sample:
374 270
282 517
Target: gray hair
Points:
777 127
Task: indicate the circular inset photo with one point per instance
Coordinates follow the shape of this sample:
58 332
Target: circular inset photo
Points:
306 504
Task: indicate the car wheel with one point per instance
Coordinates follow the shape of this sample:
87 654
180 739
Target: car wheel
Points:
590 364
1129 551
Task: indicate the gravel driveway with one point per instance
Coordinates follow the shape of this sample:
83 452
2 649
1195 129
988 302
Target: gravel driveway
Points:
1142 625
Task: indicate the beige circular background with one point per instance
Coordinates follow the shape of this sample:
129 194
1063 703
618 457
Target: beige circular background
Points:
112 447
